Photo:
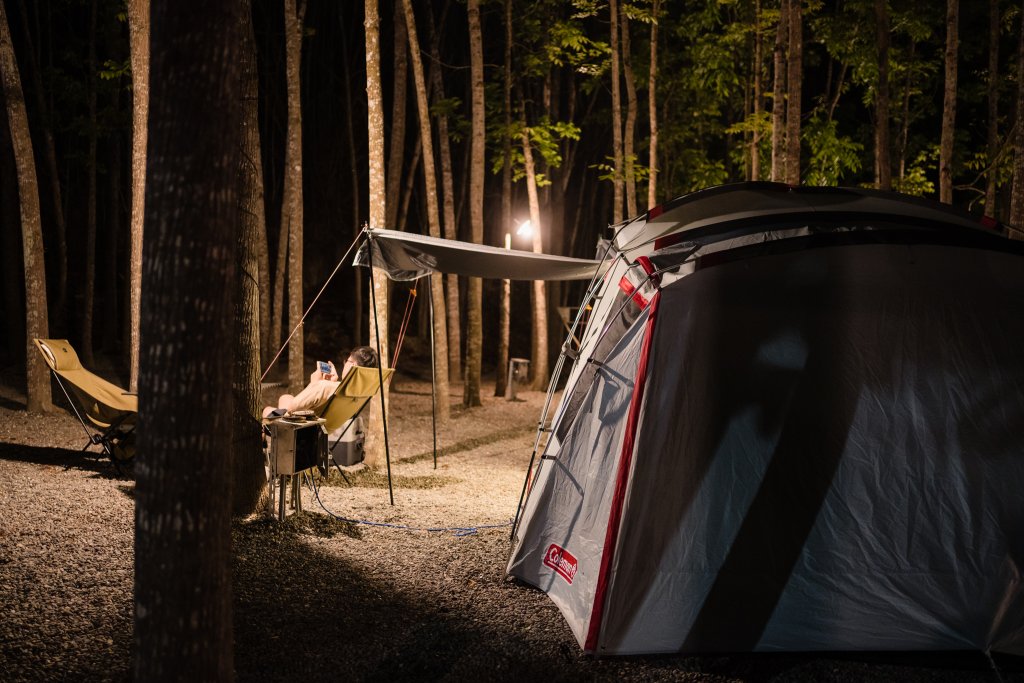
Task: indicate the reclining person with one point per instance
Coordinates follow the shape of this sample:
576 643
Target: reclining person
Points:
322 385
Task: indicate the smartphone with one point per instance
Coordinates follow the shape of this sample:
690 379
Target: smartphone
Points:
324 367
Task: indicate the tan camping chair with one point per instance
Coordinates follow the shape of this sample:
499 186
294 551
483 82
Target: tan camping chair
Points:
354 392
110 410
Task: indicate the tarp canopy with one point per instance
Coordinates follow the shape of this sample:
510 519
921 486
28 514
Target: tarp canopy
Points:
405 256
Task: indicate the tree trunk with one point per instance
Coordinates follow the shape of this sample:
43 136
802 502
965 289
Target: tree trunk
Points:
291 205
779 95
396 139
357 284
138 32
10 250
613 7
377 205
883 165
1017 187
949 103
474 298
89 284
794 84
37 374
500 382
451 230
433 217
652 110
538 296
50 158
182 515
410 183
905 123
630 133
993 107
248 477
755 138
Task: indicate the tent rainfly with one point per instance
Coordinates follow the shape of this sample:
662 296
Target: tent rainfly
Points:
793 423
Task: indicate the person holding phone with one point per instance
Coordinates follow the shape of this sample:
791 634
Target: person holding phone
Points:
323 382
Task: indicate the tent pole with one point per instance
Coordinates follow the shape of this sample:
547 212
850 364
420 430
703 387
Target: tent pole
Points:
433 370
380 372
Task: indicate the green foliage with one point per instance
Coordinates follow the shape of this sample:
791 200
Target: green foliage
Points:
113 70
915 179
832 156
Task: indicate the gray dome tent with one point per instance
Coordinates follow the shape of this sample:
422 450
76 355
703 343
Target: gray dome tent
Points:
793 423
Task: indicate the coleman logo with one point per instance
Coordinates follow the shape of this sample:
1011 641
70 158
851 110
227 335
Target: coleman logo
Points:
561 561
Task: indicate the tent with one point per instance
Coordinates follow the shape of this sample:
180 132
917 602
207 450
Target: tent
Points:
793 422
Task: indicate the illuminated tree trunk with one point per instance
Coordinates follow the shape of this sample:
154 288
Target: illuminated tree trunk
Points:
794 83
629 156
291 206
613 8
538 294
755 138
779 95
506 211
138 34
474 298
652 109
949 103
396 138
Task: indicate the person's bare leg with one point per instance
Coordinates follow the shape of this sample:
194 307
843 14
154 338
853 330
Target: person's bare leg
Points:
285 401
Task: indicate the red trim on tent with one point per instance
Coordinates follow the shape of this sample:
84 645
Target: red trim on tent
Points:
629 290
622 479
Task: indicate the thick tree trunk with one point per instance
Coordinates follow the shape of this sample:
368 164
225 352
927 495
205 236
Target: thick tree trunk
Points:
755 138
794 85
451 229
291 205
652 109
396 139
182 515
10 250
883 165
138 33
474 298
505 312
617 177
89 284
538 295
433 217
993 107
37 375
1017 187
949 103
629 155
377 205
248 477
779 95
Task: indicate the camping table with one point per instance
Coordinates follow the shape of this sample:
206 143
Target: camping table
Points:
287 464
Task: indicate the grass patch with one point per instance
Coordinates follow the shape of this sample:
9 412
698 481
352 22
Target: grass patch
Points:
467 444
374 479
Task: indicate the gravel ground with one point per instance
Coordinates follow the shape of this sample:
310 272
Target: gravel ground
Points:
317 598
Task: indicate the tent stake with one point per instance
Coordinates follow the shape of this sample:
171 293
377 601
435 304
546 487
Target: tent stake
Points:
380 373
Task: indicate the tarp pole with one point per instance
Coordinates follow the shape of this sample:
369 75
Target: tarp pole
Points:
380 372
433 369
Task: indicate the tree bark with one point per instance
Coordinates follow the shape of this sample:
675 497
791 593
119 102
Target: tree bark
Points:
474 298
794 85
652 110
779 94
538 295
451 230
617 174
138 33
755 138
1017 186
433 217
291 206
505 312
89 285
993 107
396 139
182 516
377 205
949 103
629 155
357 284
883 165
248 476
37 389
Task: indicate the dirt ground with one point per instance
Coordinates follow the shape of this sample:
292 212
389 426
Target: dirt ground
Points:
319 598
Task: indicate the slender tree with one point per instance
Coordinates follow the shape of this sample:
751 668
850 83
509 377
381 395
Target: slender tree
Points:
652 108
396 137
248 476
378 327
291 205
182 517
1017 184
949 103
538 294
794 85
433 217
755 137
629 136
474 298
779 94
506 210
993 107
89 286
883 164
37 392
617 172
138 33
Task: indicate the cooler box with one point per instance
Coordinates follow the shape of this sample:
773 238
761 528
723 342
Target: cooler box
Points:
348 450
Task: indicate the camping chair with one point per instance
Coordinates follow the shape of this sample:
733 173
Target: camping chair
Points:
110 410
353 394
